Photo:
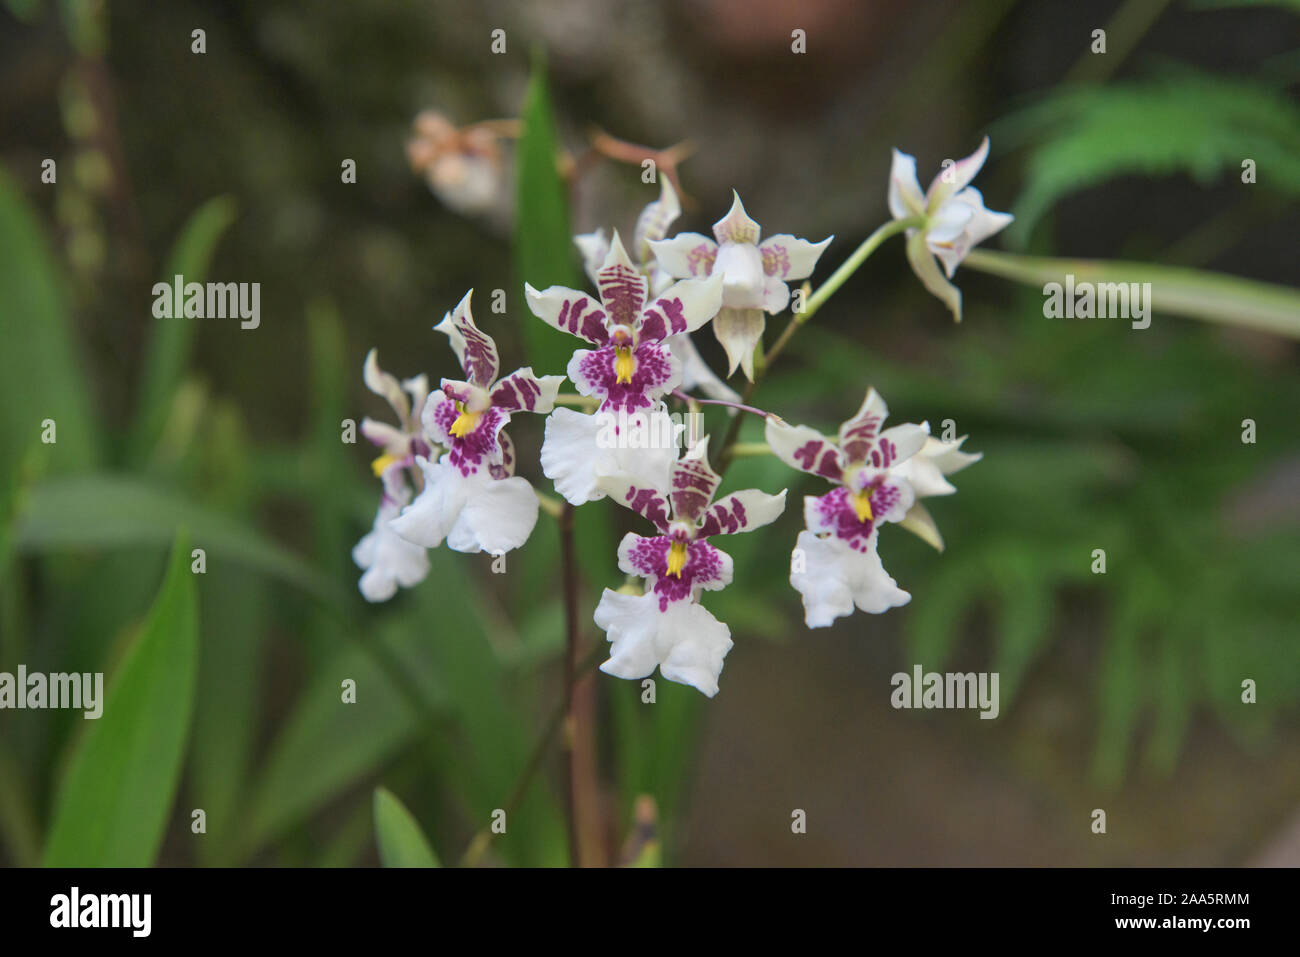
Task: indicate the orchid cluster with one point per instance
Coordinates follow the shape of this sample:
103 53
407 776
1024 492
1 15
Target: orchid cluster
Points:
447 467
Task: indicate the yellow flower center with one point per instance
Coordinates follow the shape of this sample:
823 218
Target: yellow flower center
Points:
676 559
380 465
862 505
465 422
624 364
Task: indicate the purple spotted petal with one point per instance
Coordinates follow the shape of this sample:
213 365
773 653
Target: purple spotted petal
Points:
477 449
693 484
655 373
662 318
648 502
622 292
569 311
522 391
706 567
858 434
834 512
474 348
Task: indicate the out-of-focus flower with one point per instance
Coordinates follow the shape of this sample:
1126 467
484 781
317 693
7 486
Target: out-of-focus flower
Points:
386 559
464 167
667 627
400 443
753 275
955 219
471 496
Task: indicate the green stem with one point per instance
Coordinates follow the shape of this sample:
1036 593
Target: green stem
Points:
849 267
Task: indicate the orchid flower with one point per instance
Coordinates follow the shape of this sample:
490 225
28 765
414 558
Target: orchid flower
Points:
652 225
955 219
387 559
753 275
400 443
471 495
666 627
835 565
630 369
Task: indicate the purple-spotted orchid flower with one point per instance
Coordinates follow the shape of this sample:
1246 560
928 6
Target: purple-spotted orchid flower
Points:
835 565
652 225
666 627
630 370
955 219
753 275
471 496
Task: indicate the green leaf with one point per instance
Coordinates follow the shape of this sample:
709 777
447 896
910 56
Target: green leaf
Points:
114 511
1195 293
40 373
173 339
1183 121
543 244
401 842
113 806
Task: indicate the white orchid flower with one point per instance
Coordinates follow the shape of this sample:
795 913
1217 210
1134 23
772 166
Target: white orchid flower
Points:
955 219
667 627
753 275
471 497
835 566
652 225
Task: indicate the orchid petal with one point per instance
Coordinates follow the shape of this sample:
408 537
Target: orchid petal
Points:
739 331
905 196
569 311
521 391
686 255
832 578
736 226
473 347
786 257
804 449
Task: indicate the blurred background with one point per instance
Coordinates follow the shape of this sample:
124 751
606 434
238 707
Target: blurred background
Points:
1119 691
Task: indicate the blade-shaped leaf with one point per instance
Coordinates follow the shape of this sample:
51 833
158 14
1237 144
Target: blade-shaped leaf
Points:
116 797
401 842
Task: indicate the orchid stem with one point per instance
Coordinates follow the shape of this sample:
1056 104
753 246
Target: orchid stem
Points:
850 266
690 399
749 449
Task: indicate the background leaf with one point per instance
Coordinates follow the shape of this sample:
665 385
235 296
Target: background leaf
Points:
401 842
116 796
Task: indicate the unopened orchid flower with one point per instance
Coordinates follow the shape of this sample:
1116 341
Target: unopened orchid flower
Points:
471 496
835 565
955 219
629 371
666 627
652 225
753 275
387 560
